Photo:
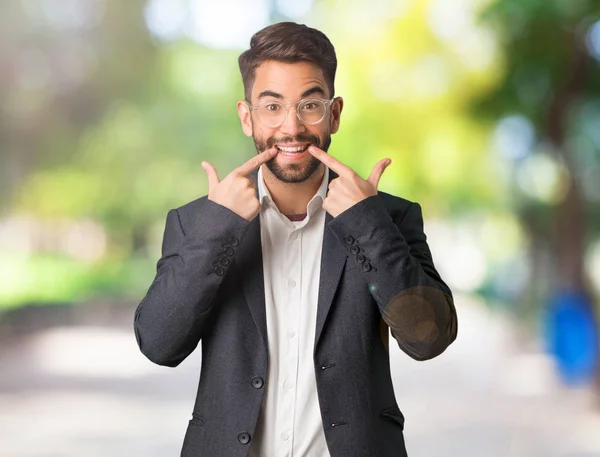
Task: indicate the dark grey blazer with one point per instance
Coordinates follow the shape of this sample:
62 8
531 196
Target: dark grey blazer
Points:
376 272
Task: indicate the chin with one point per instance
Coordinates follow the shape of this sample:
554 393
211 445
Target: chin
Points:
292 172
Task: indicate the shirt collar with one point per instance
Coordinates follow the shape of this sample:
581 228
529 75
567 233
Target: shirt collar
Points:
264 196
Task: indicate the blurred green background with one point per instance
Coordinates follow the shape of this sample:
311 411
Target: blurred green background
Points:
489 109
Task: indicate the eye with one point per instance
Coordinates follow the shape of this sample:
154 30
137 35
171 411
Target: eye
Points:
310 105
273 107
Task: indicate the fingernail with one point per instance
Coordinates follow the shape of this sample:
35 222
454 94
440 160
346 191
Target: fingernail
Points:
273 151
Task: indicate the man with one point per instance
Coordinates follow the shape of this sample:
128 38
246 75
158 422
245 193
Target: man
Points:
290 272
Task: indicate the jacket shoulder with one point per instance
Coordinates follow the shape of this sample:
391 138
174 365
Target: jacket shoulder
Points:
192 206
396 206
186 211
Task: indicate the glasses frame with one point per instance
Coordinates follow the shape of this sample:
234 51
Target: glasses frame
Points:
327 103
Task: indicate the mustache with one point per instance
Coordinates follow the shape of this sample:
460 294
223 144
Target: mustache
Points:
297 139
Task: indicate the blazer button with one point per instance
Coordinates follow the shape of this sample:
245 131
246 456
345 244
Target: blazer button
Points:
244 438
220 271
366 266
233 241
360 258
348 239
257 382
224 261
354 249
229 251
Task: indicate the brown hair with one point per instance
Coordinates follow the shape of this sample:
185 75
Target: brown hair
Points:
290 43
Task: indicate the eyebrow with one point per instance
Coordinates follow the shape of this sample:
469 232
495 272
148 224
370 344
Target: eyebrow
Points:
313 90
306 93
269 93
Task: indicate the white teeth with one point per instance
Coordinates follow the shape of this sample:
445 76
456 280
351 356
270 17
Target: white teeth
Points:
291 150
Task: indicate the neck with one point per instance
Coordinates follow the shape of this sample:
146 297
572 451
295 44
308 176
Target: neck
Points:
292 198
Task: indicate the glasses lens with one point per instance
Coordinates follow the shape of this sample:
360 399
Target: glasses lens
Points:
312 111
271 113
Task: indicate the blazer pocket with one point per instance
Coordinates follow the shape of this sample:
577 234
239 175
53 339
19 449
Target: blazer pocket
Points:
197 420
394 414
193 441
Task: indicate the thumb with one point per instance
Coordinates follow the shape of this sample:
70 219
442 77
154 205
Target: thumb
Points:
211 173
377 172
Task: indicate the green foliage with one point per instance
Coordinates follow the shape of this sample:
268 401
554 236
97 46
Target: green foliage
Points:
407 96
44 279
551 79
124 144
542 40
155 110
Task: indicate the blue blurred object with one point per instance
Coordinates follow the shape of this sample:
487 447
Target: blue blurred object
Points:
572 336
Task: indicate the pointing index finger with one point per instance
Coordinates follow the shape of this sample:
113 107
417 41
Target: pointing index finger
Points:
330 161
256 161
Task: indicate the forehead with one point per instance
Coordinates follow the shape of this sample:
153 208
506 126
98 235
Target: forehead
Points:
288 79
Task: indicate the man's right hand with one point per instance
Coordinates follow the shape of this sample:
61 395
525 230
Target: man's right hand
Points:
237 191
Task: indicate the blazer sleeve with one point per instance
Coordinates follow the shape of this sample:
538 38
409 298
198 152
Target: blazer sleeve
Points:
170 319
413 300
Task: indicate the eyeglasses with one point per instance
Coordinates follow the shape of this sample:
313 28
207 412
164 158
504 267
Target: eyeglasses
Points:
272 114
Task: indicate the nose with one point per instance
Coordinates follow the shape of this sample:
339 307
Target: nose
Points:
292 126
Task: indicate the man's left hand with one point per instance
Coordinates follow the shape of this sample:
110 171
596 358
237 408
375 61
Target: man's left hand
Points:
349 188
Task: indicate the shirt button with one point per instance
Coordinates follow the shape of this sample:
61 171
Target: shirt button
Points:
295 236
292 283
291 334
287 385
285 436
244 438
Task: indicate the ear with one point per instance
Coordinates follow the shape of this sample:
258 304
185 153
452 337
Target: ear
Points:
336 112
245 117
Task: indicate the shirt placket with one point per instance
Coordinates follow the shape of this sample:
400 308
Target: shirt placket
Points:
292 272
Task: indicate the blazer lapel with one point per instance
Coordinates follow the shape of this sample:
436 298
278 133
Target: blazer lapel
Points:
251 270
333 259
253 283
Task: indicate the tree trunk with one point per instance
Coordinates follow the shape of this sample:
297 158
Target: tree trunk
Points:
571 219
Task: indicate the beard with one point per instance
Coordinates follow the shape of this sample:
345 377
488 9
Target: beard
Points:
293 172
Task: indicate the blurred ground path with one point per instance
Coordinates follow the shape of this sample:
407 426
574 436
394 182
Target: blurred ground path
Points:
79 387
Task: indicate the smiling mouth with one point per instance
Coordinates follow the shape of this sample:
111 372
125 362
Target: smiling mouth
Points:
292 149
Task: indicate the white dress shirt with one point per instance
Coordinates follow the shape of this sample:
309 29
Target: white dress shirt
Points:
289 424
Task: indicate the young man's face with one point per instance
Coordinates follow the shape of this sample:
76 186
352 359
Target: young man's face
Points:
287 84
